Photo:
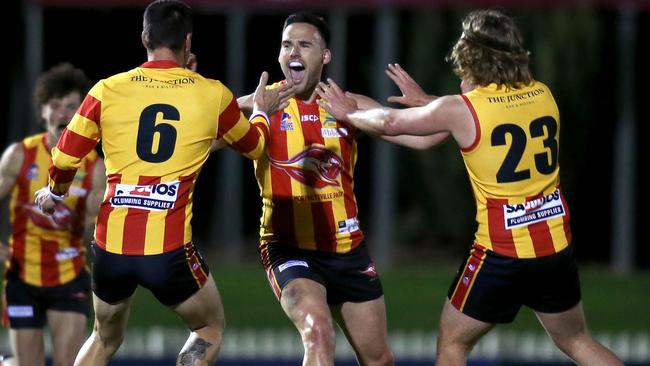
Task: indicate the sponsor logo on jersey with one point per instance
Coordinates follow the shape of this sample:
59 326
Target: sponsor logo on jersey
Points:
536 210
334 132
315 167
154 197
32 172
348 226
292 263
66 253
309 118
285 122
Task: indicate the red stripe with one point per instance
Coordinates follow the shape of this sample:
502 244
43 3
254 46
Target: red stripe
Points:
135 224
249 141
228 118
282 218
175 219
60 176
502 241
105 210
75 144
49 267
23 197
324 226
566 218
540 235
348 149
78 262
322 212
466 279
91 108
477 125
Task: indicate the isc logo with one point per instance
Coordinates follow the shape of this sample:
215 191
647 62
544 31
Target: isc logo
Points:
309 118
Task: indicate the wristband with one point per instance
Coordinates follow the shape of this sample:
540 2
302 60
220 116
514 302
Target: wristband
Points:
257 112
56 197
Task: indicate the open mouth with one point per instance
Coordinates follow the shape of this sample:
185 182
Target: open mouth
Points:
296 71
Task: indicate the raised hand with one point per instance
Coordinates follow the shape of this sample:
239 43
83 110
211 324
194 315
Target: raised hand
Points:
336 102
412 94
270 101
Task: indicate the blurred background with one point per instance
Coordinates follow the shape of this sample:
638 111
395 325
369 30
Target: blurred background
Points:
416 208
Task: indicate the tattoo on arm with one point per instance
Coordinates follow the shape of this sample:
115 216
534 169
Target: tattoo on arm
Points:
196 351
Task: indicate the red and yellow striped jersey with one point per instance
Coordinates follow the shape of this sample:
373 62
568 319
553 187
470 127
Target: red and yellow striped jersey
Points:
306 181
48 250
156 123
514 171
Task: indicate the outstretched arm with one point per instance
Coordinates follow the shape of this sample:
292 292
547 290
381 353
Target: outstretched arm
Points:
446 115
363 102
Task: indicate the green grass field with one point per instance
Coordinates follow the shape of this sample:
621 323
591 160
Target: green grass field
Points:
414 297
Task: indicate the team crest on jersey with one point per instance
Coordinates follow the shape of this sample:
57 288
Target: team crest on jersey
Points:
62 218
315 167
285 122
32 172
154 197
533 211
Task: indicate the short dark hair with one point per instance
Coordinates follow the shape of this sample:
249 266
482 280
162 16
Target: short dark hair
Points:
309 18
167 23
490 50
58 82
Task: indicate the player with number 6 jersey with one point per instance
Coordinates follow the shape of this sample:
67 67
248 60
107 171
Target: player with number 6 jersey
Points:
155 145
158 123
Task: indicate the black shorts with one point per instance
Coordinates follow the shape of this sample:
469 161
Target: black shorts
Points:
492 287
172 277
349 277
26 306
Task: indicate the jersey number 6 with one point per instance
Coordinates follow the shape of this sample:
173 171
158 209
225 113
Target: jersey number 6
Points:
148 128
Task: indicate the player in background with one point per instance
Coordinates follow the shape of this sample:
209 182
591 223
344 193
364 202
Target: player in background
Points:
507 126
311 243
157 123
47 282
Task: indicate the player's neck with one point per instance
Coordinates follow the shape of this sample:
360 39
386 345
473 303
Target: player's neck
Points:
165 54
307 97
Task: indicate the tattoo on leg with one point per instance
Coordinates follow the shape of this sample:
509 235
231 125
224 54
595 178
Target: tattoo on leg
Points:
196 351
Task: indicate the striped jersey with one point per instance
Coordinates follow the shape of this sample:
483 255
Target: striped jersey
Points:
156 123
514 171
48 250
306 181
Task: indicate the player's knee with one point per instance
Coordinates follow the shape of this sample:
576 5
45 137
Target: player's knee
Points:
319 334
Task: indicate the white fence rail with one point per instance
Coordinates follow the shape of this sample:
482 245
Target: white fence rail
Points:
158 342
